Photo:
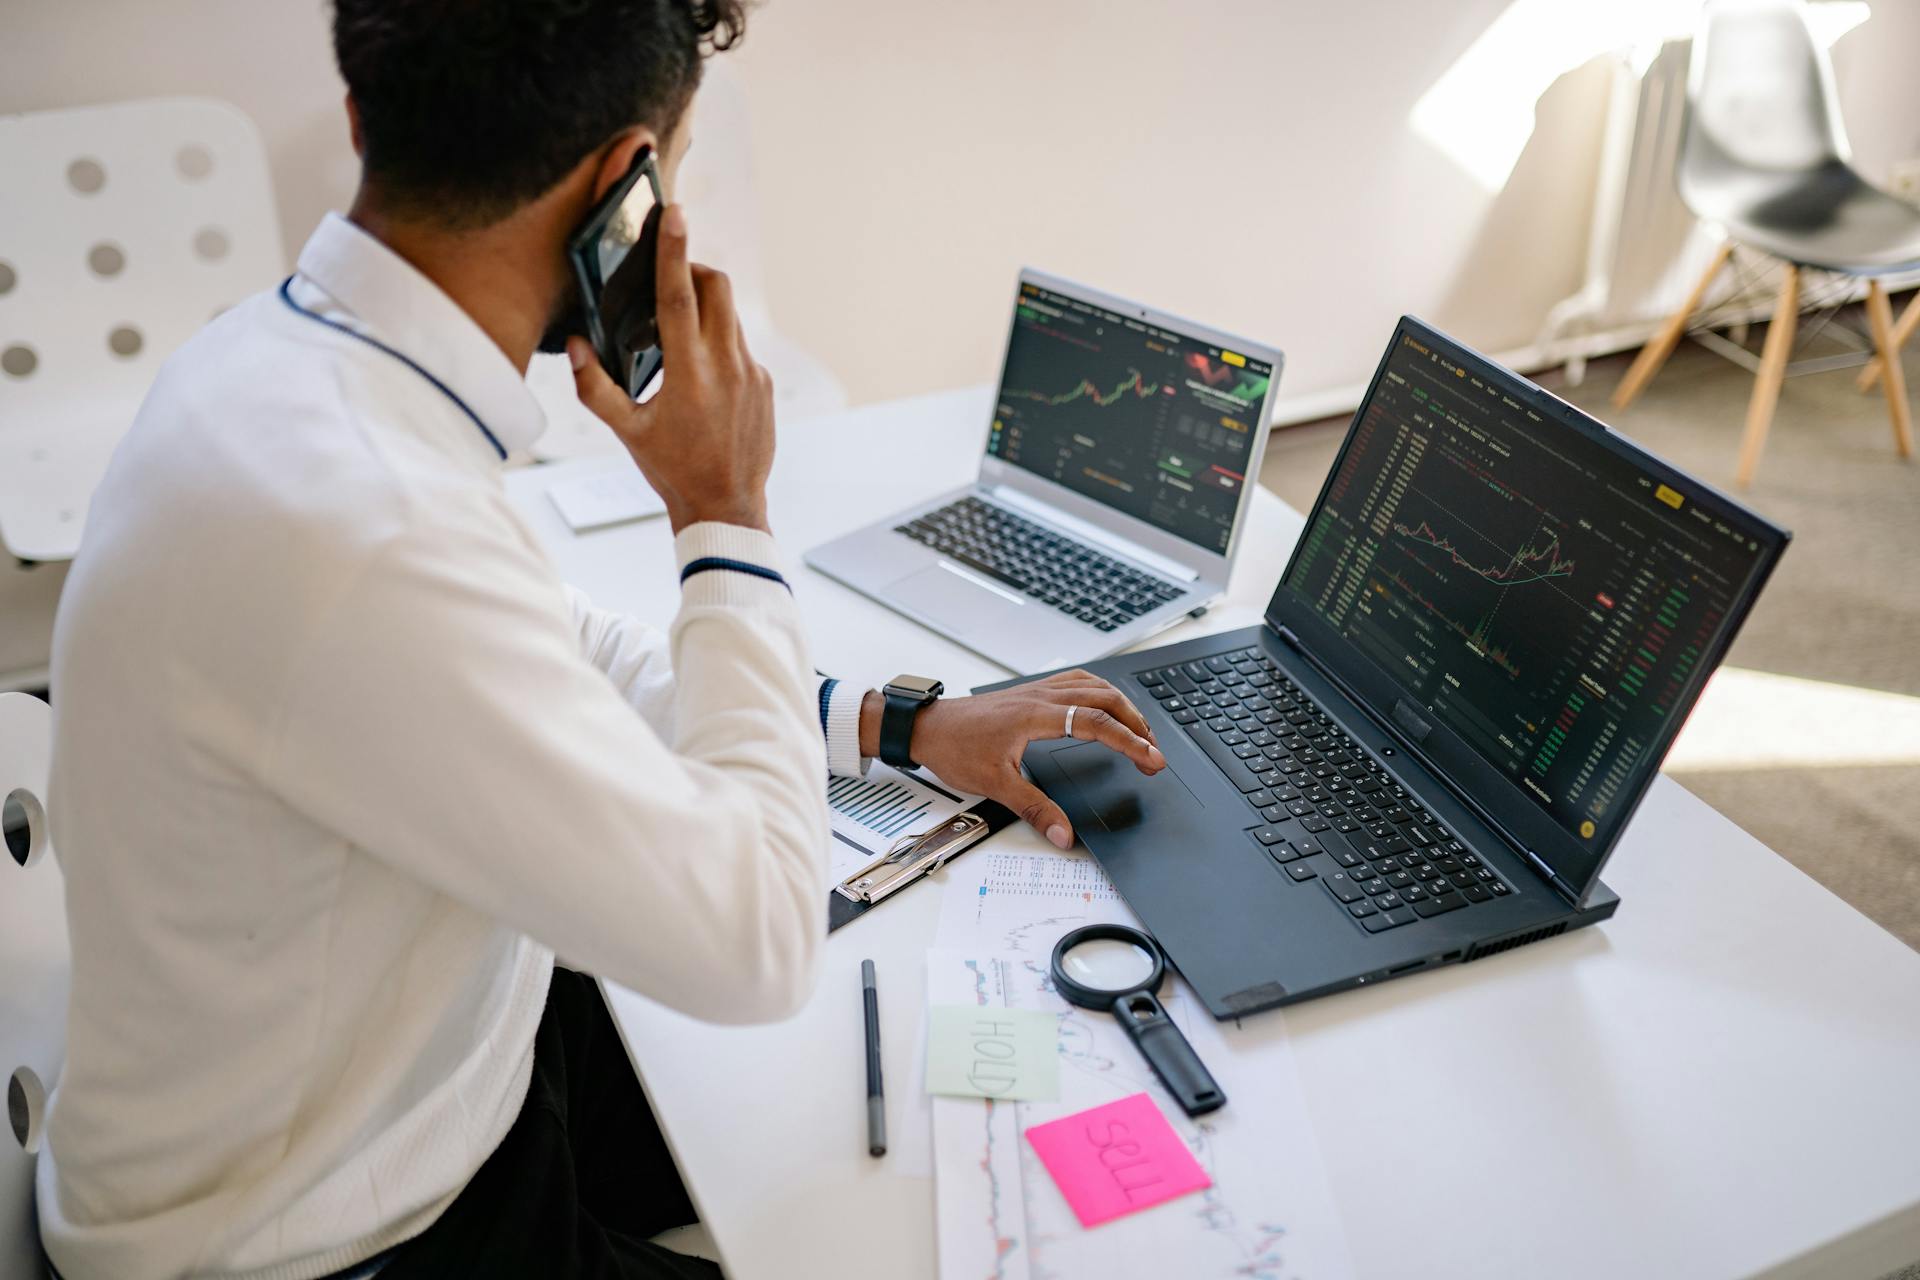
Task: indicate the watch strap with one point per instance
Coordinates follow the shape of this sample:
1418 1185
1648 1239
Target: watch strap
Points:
896 728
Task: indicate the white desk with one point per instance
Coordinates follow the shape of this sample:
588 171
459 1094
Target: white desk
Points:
1723 1080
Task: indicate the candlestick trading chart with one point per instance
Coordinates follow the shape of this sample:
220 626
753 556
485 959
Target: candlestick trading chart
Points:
1153 422
1542 595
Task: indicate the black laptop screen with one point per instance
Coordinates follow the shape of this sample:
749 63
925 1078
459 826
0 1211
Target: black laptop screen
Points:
1152 422
1543 595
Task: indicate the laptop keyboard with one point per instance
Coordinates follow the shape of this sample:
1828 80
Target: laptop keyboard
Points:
1070 576
1312 790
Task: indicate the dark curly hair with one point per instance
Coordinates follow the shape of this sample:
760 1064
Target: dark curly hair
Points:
471 108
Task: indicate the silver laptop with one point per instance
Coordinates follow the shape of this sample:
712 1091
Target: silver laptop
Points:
1120 455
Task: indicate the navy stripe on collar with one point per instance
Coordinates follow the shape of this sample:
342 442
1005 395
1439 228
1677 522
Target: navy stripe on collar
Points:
443 388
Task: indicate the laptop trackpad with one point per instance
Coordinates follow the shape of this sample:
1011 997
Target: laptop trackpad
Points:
952 601
1119 797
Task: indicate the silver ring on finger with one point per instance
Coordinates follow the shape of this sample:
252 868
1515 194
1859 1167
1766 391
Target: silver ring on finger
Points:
1070 711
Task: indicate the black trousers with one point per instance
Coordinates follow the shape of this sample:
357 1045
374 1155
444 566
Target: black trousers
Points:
581 1179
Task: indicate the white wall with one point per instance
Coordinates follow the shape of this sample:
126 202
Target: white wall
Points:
1249 162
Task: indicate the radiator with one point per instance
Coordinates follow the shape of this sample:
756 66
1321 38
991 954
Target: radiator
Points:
1645 250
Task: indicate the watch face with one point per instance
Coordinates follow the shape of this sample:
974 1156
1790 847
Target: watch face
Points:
922 687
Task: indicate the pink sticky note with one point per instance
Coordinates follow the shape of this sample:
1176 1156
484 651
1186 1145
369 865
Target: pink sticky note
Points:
1112 1160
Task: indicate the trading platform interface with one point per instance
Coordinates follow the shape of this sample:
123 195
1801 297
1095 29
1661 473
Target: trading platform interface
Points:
1542 595
1154 423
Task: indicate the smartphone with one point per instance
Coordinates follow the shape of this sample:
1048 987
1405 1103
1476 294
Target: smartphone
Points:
613 255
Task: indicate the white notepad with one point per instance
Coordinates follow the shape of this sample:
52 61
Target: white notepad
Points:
608 495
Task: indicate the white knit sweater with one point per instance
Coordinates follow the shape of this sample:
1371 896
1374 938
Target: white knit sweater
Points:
339 763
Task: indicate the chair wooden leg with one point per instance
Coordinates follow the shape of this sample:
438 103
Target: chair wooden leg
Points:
1909 321
1893 380
1773 368
1661 345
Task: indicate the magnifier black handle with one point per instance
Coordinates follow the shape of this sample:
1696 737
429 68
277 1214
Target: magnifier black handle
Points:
1167 1051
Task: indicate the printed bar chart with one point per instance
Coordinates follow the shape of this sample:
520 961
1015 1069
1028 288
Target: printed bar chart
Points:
885 807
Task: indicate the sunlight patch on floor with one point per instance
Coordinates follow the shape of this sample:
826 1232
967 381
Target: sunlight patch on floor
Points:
1750 720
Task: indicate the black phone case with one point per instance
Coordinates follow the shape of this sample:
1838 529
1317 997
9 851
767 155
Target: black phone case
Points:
629 326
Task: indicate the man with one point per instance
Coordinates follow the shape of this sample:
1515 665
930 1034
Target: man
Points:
340 764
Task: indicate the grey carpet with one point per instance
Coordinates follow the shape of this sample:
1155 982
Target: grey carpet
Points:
1842 607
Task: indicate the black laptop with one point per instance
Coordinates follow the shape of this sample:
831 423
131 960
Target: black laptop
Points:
1494 624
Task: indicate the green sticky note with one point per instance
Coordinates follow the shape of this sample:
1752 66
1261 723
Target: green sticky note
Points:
978 1051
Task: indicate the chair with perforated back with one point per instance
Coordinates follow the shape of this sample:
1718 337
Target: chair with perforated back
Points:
1764 157
124 229
34 965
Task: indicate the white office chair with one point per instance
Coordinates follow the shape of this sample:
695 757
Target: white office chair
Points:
124 229
34 964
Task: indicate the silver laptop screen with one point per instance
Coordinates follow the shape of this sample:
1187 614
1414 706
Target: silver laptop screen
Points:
1152 422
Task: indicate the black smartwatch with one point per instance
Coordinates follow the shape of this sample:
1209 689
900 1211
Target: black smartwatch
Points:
906 697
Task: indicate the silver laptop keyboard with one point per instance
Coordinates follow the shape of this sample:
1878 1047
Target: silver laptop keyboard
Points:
1055 570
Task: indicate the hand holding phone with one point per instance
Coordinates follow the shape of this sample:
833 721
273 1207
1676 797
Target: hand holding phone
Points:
705 442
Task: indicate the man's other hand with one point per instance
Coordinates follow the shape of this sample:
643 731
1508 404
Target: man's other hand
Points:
705 442
975 743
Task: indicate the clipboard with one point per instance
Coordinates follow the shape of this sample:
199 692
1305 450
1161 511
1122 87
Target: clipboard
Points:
912 857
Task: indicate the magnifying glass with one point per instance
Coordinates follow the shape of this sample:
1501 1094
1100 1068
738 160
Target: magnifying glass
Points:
1118 968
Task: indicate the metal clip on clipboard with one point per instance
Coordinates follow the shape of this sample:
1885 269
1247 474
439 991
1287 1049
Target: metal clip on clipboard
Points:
911 857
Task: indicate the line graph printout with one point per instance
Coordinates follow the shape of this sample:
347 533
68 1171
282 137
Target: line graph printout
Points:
1023 902
1000 1216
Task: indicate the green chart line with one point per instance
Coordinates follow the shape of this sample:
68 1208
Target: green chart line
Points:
1135 383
